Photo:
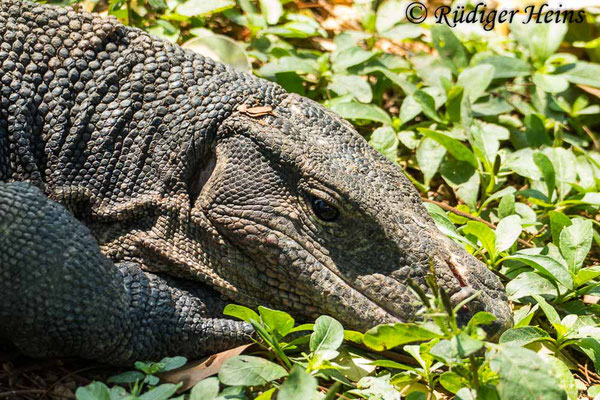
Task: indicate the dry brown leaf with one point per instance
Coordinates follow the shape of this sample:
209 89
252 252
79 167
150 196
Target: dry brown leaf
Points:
590 90
194 372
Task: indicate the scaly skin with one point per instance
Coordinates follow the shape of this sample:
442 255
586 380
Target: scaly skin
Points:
140 191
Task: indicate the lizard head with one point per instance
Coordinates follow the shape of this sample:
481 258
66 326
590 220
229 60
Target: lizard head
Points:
315 221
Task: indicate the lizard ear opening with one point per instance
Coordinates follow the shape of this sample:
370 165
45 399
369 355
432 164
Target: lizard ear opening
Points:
201 175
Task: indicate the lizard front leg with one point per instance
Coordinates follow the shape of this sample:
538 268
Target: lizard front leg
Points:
60 296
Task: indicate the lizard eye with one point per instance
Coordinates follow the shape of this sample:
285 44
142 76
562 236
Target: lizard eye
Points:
323 210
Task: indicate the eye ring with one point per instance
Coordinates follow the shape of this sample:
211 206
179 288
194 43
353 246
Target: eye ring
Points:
323 209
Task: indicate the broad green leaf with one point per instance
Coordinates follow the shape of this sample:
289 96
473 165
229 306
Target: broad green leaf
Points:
562 374
523 375
298 386
171 363
127 377
457 348
549 310
507 232
249 371
157 5
427 104
463 179
506 206
452 382
527 284
523 315
475 80
581 73
267 394
547 267
354 85
241 312
162 392
575 242
383 337
558 221
523 336
484 234
328 334
507 67
564 162
194 8
221 48
429 156
359 111
272 10
454 147
550 83
93 391
376 387
350 57
547 169
389 13
449 47
585 275
542 40
276 321
384 140
591 348
206 389
535 133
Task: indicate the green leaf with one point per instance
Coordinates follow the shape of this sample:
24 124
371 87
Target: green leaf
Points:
507 232
536 131
452 382
455 349
385 141
429 156
527 284
157 5
590 347
162 392
241 312
359 111
507 67
454 147
354 85
298 386
581 73
485 234
249 371
328 334
550 83
350 57
276 321
93 391
475 80
523 375
523 336
220 48
127 377
575 242
384 337
463 179
547 169
389 14
272 10
542 40
206 389
550 312
547 267
558 221
171 363
564 162
506 206
193 8
449 47
585 275
563 375
427 104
